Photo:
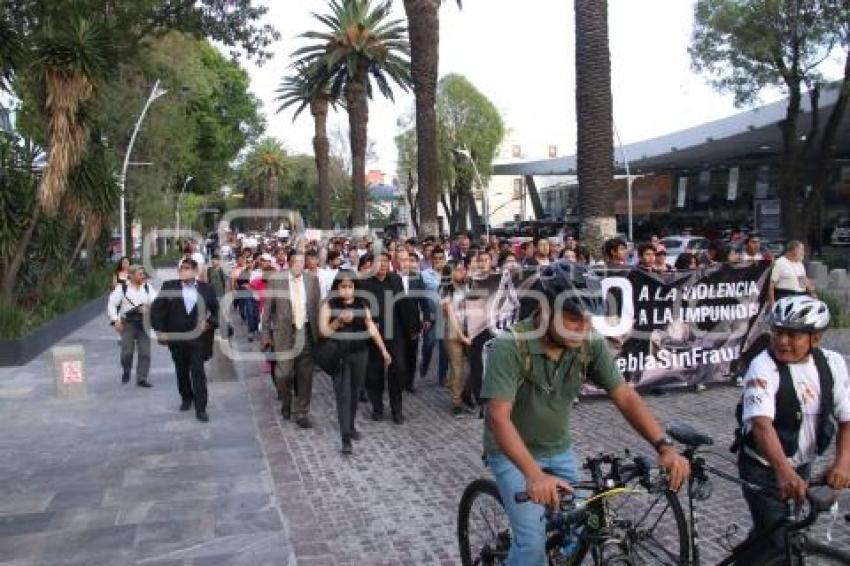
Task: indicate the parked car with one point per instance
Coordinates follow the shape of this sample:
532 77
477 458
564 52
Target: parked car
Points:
677 245
841 234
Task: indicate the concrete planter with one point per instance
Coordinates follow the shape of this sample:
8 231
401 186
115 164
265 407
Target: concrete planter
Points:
20 352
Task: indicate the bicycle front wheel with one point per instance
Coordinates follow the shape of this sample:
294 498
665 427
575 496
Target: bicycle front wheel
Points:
483 527
814 554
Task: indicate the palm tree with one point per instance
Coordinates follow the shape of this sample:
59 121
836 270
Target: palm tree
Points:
595 143
296 90
70 62
360 44
265 166
423 20
12 51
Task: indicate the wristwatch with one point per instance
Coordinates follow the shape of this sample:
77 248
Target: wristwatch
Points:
662 442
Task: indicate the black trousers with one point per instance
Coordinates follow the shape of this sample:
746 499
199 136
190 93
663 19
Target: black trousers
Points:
189 363
472 388
377 374
409 352
347 383
765 510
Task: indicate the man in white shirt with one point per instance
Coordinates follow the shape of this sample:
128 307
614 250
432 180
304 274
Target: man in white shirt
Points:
328 273
794 393
752 248
126 309
788 277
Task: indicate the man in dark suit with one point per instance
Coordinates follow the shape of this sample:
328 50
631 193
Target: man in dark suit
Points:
184 315
394 321
291 326
415 311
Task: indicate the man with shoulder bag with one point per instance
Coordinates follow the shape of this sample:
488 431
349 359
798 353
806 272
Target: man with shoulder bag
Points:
126 309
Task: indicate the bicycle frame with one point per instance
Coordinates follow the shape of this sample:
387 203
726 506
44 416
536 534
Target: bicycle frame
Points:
699 467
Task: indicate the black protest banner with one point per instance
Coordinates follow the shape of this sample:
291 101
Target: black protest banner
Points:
681 329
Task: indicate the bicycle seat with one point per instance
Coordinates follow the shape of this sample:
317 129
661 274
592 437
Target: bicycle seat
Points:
688 435
822 498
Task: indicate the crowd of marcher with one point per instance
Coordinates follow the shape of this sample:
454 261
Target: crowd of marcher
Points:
380 307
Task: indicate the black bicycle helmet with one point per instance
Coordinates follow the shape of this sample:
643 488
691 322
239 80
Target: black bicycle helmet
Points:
572 288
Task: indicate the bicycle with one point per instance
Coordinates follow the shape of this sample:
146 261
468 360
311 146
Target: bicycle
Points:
800 550
605 534
587 526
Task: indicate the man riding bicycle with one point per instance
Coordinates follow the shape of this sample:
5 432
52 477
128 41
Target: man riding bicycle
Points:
532 376
792 392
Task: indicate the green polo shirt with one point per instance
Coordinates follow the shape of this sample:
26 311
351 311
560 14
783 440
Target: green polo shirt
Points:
543 399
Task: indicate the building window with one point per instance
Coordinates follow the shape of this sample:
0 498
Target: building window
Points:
516 151
553 151
518 188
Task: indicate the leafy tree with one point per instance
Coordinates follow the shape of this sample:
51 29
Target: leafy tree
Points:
423 20
747 46
360 44
466 119
264 168
595 141
296 90
407 169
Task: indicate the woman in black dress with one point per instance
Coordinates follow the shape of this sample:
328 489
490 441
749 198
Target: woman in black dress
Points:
345 317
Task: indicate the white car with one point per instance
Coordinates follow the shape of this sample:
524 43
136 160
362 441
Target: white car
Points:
677 245
841 234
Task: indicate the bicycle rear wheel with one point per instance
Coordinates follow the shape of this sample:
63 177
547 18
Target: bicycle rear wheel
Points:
814 554
483 527
653 525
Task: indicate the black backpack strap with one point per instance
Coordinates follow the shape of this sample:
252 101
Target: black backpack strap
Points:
826 424
789 413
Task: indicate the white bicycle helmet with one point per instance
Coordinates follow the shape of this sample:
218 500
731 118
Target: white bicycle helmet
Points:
801 313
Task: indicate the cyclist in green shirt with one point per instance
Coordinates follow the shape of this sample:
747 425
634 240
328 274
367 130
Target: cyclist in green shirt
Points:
532 376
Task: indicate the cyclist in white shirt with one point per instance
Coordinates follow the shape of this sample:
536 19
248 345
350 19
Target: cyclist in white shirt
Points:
794 394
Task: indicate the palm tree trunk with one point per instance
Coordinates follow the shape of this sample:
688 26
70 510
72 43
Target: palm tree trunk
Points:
358 124
423 18
595 143
321 151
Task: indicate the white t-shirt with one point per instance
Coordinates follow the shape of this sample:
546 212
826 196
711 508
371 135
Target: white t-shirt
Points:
788 275
762 382
326 280
747 257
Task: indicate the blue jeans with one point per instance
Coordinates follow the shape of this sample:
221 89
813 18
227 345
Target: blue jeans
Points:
528 544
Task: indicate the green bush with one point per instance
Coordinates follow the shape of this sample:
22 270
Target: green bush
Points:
837 310
17 321
12 322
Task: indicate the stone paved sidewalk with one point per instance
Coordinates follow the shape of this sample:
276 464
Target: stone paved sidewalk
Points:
123 477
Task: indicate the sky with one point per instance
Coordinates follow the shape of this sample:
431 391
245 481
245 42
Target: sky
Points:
521 55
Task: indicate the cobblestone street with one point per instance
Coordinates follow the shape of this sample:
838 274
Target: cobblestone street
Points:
395 501
124 478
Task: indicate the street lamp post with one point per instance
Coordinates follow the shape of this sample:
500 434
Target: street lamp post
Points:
485 204
628 181
179 206
156 92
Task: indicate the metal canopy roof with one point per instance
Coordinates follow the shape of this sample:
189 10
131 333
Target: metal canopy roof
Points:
749 137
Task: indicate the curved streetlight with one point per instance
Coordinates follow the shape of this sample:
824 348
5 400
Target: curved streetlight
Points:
485 204
156 92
